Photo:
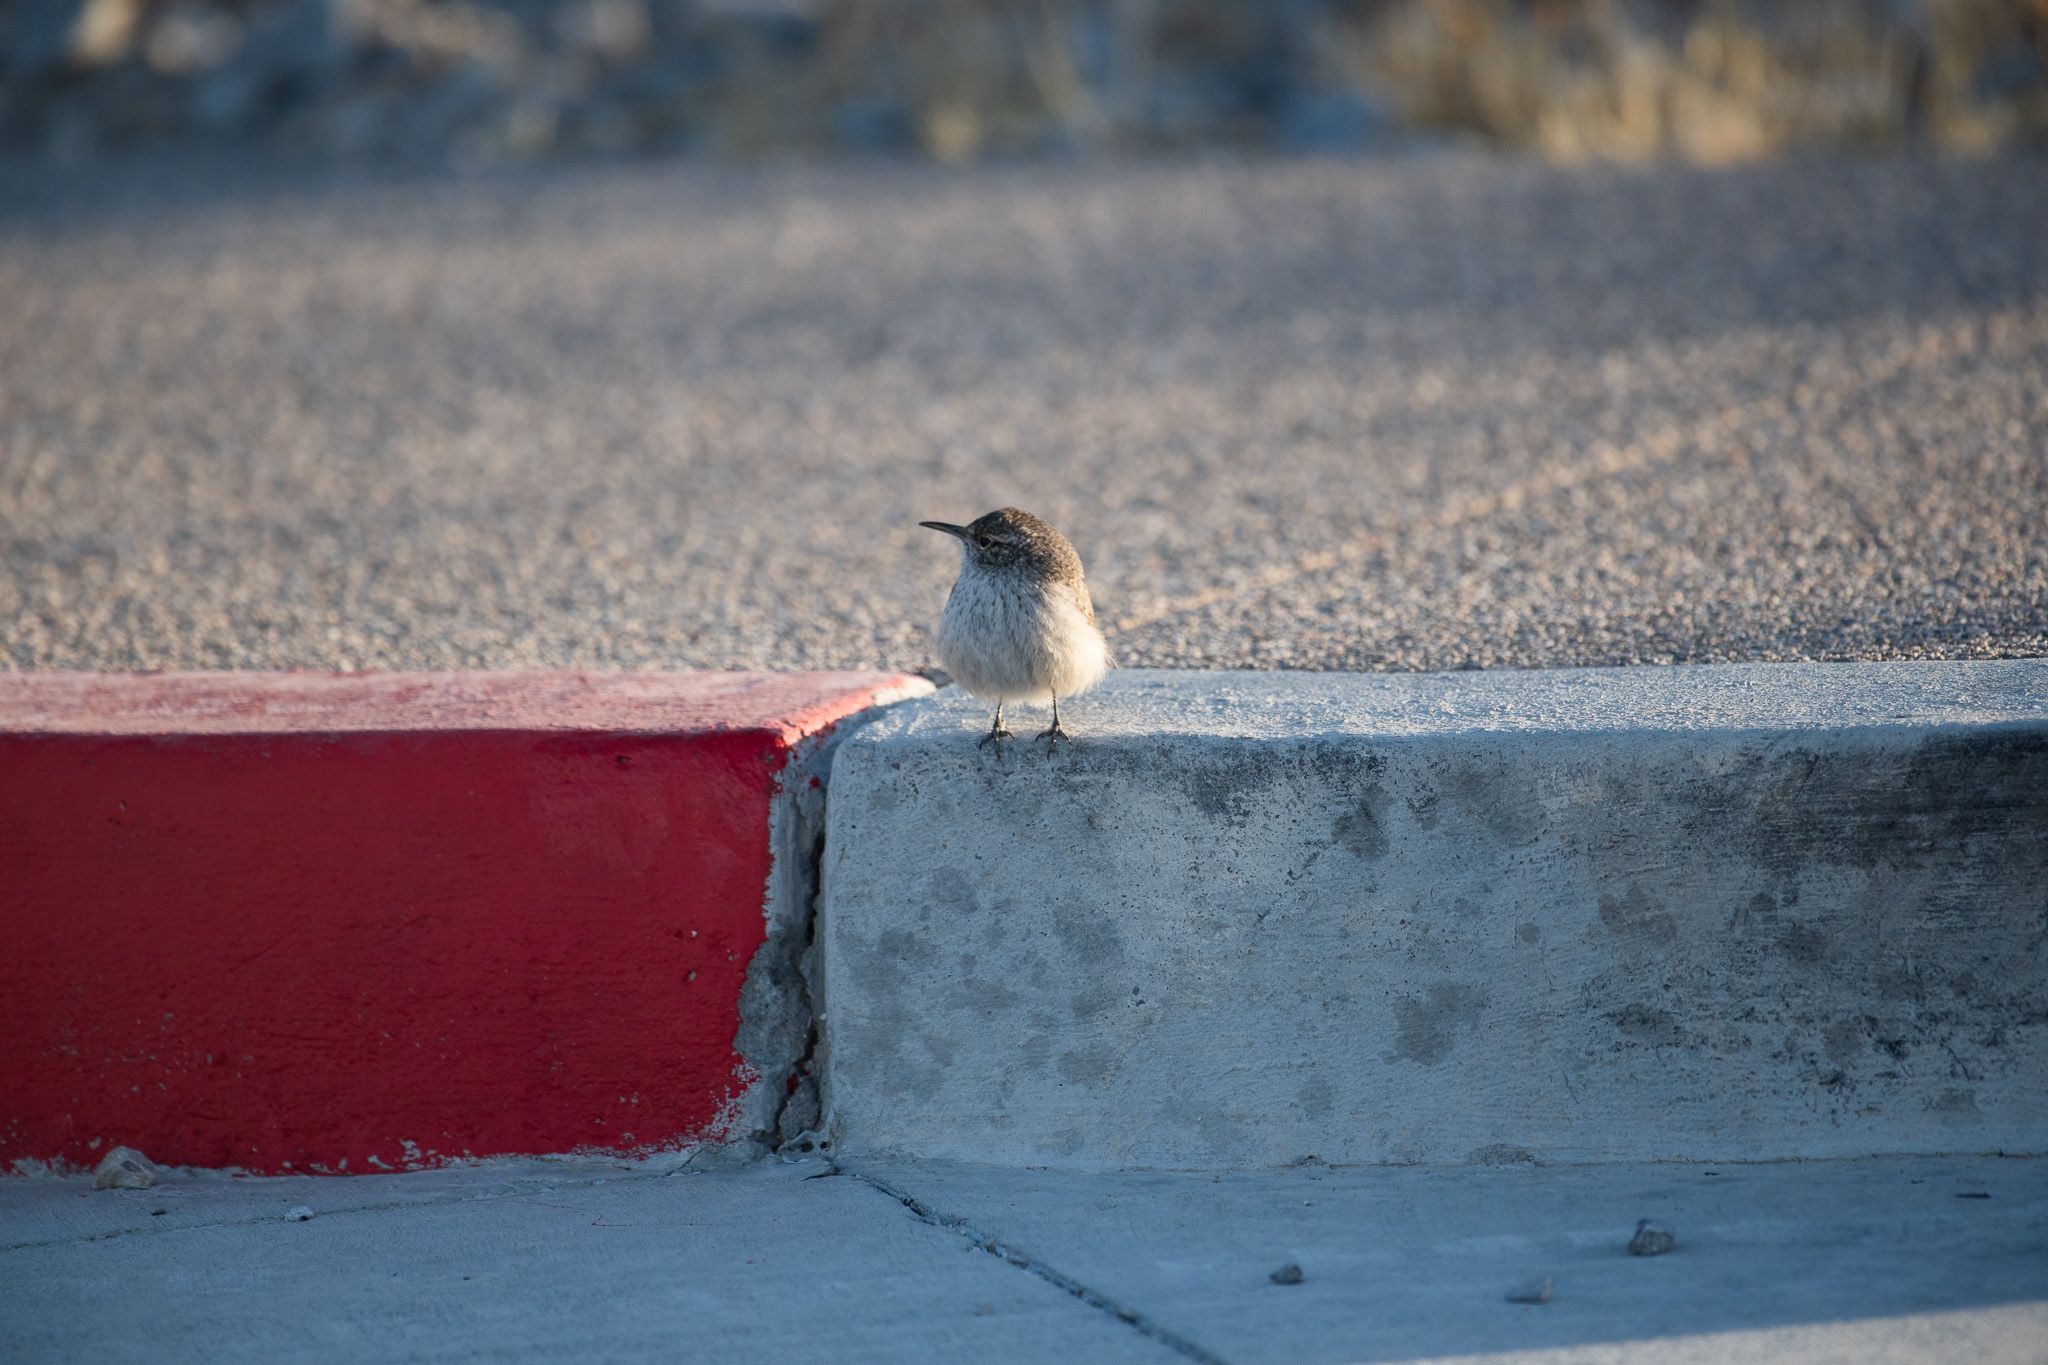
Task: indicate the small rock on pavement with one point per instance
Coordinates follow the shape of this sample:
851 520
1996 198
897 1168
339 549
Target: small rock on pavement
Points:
1532 1291
1288 1274
1651 1239
298 1213
124 1168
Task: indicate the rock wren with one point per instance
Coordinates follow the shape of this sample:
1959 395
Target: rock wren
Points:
1018 625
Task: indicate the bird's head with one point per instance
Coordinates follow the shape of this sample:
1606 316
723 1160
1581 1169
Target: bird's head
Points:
1003 538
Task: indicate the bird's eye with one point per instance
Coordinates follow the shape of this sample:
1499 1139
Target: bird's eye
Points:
983 541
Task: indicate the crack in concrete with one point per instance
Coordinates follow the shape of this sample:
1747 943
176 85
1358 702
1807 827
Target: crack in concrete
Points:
778 1030
781 1031
794 1113
791 1127
1024 1260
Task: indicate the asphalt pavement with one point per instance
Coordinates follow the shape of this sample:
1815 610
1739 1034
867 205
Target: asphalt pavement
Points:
1439 412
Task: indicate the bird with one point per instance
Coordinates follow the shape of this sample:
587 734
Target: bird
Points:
1018 625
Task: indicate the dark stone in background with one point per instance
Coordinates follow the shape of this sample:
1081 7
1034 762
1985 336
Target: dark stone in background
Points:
485 80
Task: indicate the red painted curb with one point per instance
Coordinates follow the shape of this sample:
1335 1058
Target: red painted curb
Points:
291 922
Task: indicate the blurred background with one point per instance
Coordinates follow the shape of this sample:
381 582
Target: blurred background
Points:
1705 81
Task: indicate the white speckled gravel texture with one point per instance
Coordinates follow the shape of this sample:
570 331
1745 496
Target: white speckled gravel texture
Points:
1433 413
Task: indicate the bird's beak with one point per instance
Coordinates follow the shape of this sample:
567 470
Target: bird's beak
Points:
948 527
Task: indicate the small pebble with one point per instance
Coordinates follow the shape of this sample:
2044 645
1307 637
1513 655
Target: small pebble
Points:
1651 1239
298 1213
1532 1291
1288 1274
124 1168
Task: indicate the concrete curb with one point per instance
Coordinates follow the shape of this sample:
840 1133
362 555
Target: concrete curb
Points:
308 922
1727 913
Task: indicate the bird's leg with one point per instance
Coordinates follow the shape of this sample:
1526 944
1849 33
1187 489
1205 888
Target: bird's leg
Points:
1053 736
996 733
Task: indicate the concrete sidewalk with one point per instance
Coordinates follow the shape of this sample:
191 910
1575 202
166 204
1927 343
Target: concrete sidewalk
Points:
1888 1259
541 1261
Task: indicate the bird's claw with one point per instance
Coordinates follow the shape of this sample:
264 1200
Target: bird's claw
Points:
1054 737
995 737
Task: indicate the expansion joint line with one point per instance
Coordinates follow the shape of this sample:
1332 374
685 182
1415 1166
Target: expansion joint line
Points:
1023 1260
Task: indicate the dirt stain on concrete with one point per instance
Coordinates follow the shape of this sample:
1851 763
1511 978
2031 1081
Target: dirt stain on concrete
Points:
1643 1023
1426 1027
1363 831
1637 915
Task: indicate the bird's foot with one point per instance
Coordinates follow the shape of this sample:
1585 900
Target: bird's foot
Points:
995 737
1055 736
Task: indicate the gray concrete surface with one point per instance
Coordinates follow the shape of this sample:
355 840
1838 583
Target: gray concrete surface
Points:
1396 414
1246 919
1923 1259
1853 1261
542 1262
